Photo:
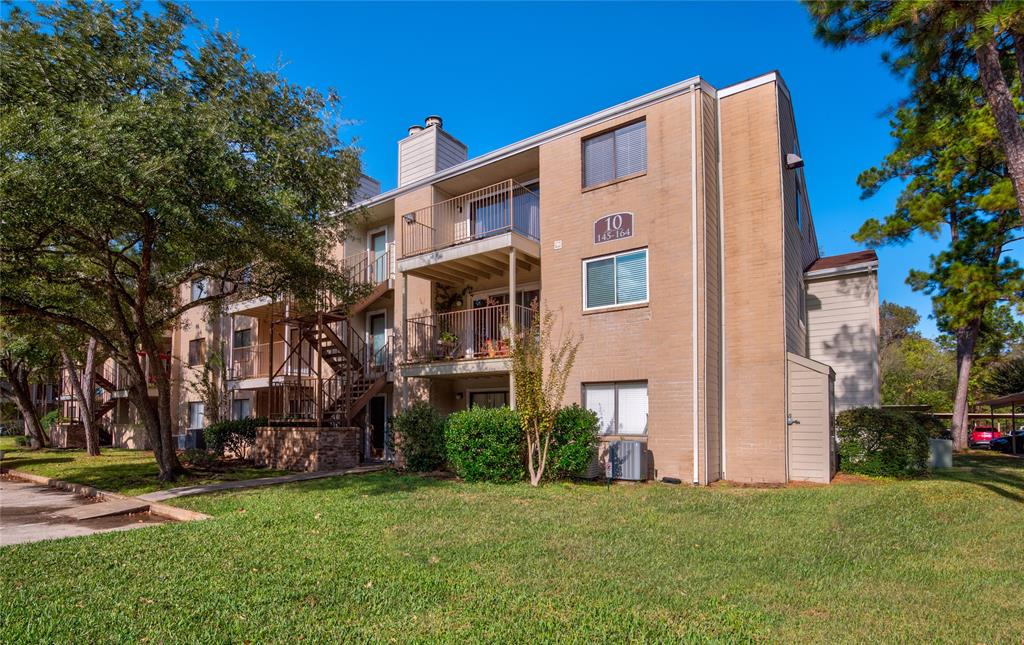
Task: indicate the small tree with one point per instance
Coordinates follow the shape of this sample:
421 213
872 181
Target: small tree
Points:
540 367
211 384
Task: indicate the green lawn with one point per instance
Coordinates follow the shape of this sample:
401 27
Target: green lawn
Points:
384 557
132 472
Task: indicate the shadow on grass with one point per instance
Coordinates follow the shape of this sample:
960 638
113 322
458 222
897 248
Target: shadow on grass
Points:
999 473
21 462
377 483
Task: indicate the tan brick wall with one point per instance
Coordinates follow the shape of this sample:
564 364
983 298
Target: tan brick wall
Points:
649 342
754 313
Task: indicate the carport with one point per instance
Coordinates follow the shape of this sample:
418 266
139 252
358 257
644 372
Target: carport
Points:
1011 401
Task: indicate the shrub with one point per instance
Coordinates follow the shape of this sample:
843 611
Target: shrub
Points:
875 441
486 444
420 431
573 442
198 458
234 436
21 440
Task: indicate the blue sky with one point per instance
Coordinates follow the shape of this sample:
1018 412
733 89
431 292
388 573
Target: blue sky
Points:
500 72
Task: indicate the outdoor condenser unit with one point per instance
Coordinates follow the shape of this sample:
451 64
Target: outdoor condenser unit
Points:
627 460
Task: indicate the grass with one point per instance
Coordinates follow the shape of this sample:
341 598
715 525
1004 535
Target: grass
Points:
132 472
385 557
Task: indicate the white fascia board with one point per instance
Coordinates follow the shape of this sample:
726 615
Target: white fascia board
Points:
862 267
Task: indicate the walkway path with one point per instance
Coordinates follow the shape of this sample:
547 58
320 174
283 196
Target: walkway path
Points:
183 491
32 512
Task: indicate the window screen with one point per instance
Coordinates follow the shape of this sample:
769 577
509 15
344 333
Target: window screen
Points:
615 154
621 408
617 280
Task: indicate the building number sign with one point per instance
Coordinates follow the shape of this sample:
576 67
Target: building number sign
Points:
612 227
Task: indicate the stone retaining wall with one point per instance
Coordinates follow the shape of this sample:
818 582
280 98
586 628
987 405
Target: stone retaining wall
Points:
307 449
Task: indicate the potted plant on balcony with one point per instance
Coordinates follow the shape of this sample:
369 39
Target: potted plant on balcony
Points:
448 344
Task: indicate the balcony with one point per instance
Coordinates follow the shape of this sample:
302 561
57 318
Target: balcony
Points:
466 341
253 361
469 237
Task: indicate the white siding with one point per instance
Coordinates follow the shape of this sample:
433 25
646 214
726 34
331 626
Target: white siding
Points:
842 331
809 445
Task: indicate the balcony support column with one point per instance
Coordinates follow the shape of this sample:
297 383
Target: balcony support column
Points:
511 321
404 399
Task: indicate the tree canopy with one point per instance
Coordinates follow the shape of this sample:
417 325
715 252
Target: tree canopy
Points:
142 152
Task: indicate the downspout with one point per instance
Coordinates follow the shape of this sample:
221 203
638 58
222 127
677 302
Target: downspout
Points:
693 289
721 290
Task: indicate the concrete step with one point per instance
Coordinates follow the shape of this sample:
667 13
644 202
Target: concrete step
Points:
104 509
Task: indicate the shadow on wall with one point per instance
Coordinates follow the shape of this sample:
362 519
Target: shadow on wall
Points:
851 353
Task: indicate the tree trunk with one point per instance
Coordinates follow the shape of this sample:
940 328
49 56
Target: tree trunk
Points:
92 433
966 338
1000 100
84 395
22 398
21 395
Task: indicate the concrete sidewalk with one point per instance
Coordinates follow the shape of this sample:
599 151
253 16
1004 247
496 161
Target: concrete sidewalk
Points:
184 491
33 512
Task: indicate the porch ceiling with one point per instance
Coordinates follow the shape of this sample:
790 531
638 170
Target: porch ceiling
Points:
474 261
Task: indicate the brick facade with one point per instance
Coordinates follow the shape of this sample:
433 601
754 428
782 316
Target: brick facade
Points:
307 449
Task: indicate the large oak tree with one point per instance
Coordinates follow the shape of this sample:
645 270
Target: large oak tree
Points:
143 151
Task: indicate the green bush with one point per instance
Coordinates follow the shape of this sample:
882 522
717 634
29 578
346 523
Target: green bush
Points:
875 441
486 444
420 431
234 435
573 442
198 458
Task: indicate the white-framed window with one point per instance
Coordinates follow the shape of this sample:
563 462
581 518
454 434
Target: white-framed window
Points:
613 280
615 154
621 407
199 289
241 409
196 415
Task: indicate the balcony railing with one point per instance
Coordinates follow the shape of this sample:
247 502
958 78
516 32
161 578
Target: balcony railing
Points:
483 332
253 361
371 267
501 208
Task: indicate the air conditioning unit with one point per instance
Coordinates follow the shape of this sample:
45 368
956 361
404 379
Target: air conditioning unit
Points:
191 439
627 460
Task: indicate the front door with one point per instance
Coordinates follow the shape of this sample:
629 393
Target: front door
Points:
378 257
376 431
378 337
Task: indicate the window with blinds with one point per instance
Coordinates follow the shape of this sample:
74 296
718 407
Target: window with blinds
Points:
616 154
197 351
621 408
615 280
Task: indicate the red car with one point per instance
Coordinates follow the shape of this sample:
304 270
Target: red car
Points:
982 436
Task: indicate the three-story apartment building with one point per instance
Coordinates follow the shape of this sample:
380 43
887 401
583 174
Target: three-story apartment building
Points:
673 232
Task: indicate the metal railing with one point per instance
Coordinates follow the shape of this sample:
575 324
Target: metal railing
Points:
371 268
503 207
253 361
483 332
